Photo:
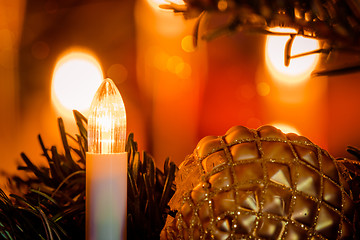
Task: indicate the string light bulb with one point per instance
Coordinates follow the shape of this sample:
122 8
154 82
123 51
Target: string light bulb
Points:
106 166
107 120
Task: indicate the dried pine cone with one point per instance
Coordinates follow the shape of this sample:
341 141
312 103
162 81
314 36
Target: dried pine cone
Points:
260 184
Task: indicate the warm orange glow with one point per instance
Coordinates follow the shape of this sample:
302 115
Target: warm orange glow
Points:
173 62
76 78
223 5
176 65
263 89
286 128
187 43
156 3
183 70
300 68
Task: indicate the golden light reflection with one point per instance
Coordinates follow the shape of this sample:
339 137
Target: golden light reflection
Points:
300 68
75 80
286 128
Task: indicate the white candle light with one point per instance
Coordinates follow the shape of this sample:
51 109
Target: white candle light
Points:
106 166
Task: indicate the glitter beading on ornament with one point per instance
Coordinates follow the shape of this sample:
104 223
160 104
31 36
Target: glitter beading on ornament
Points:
260 184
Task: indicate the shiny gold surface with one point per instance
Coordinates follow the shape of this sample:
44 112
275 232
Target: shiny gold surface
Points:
260 184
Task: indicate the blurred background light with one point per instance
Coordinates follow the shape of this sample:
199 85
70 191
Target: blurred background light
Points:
187 44
300 68
75 80
285 128
150 55
156 3
263 89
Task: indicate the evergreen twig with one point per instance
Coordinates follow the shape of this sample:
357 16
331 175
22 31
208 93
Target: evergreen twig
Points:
336 23
52 206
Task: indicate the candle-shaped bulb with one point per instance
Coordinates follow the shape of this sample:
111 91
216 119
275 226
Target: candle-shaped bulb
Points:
107 120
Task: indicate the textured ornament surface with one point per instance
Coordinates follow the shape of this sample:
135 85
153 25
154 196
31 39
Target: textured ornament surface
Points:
260 184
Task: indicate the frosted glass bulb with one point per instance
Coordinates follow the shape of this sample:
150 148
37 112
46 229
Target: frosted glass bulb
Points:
107 120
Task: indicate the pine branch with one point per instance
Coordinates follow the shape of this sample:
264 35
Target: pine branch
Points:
335 22
52 206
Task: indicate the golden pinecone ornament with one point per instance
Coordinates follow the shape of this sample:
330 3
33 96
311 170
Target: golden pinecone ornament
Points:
260 184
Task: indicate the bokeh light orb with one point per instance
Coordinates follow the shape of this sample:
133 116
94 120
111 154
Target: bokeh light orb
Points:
300 68
77 76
